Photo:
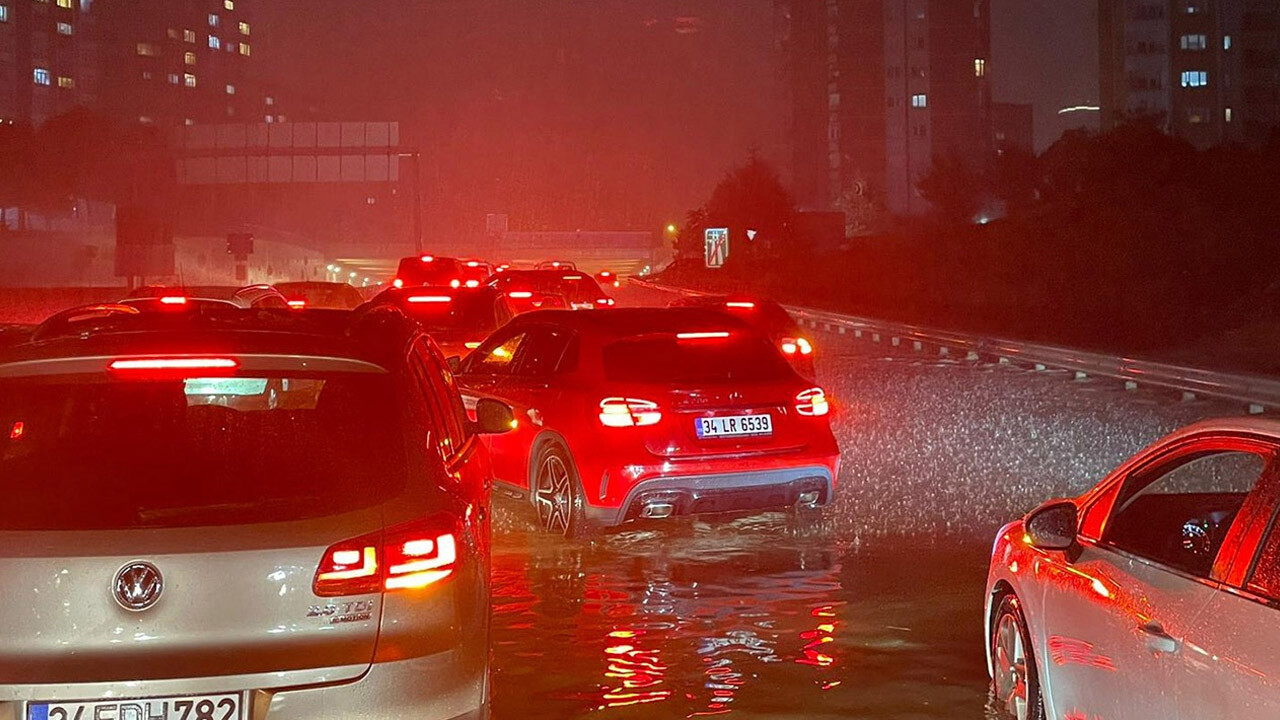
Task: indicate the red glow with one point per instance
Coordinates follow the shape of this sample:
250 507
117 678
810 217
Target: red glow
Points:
430 298
702 336
297 304
428 258
409 556
740 304
520 295
812 402
176 363
18 429
397 283
1070 651
628 412
455 283
173 300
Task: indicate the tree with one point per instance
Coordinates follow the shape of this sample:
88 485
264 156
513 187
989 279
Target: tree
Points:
689 242
1015 179
955 191
752 198
17 147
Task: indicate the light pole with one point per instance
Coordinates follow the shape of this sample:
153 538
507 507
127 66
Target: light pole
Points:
417 196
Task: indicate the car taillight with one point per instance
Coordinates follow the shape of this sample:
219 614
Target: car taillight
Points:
455 283
173 300
471 345
792 346
419 299
628 412
605 301
413 555
520 295
740 304
427 258
18 429
473 283
297 304
174 363
702 336
397 283
812 402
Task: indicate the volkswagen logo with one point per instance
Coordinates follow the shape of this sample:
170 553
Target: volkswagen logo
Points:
138 586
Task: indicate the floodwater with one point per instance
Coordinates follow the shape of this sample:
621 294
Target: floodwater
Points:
872 610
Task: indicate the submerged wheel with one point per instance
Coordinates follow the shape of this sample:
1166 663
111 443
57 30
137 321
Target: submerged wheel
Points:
557 493
1015 682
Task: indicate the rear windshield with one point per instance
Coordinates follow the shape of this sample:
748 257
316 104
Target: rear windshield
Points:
742 358
112 454
440 271
331 297
575 288
464 312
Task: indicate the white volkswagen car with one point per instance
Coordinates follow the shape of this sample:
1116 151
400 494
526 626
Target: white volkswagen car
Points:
1154 595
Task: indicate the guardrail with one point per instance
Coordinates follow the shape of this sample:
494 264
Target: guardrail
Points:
1257 393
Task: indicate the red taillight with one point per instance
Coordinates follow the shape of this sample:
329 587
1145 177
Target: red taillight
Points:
297 304
455 283
17 430
628 412
175 363
791 346
427 258
413 555
572 277
812 402
418 299
702 336
740 304
473 283
398 283
605 301
173 300
520 295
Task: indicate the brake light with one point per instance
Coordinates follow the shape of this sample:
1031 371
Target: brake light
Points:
17 430
173 300
472 263
520 295
805 347
812 402
628 412
413 555
791 346
471 345
605 273
473 283
455 283
397 283
572 277
428 258
430 298
297 304
605 301
740 304
702 335
175 363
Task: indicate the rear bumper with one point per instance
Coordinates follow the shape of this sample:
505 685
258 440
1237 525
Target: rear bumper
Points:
706 493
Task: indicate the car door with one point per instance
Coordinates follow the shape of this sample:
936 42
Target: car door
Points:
1117 615
533 394
484 375
1235 665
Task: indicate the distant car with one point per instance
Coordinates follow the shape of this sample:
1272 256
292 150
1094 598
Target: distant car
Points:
608 277
555 265
648 413
249 296
223 514
580 291
768 317
321 295
458 319
473 273
428 271
1153 595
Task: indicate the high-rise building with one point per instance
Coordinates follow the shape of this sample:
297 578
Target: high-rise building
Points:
879 88
176 62
1207 71
48 58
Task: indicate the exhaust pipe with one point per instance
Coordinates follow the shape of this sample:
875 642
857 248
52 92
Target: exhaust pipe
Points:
657 510
808 498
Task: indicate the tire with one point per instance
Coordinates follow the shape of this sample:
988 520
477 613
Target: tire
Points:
1015 680
556 492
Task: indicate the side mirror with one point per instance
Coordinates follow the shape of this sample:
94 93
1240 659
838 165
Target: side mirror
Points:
1053 526
454 362
492 418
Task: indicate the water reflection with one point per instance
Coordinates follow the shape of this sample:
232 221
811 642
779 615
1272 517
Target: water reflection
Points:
750 617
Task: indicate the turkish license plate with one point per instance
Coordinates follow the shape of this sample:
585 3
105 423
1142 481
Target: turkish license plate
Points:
199 707
734 426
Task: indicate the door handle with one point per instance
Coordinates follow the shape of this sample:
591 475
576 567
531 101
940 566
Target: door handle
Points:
1159 641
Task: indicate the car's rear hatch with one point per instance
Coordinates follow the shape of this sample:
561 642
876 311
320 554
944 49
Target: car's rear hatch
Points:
718 393
166 524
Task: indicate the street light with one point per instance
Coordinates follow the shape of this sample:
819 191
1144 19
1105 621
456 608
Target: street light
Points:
353 273
671 228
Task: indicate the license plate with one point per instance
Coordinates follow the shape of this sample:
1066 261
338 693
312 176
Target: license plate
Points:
199 707
734 426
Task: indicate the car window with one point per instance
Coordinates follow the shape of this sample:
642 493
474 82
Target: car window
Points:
742 358
497 358
436 384
541 354
1179 516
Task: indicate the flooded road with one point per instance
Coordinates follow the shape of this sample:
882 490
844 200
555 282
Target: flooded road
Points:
871 610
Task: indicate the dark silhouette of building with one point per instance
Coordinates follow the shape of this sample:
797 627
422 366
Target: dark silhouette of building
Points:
879 88
1207 71
1013 127
48 58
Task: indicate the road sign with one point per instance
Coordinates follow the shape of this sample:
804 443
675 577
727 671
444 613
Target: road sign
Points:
717 246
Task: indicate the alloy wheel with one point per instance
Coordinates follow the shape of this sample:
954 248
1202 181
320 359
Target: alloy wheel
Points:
1011 667
553 495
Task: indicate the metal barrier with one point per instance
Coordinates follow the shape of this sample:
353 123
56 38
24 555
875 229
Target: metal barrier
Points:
1256 392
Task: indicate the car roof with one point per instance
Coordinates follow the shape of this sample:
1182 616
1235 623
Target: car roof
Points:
375 337
1263 426
624 322
314 284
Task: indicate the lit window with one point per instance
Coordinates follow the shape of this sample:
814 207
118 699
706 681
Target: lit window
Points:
41 76
270 119
215 42
229 4
1227 114
4 13
189 80
66 83
172 33
148 50
1226 42
64 4
174 79
980 67
188 122
270 100
1195 78
145 120
189 35
213 20
920 101
189 58
1194 7
245 49
244 28
1194 42
64 28
146 75
231 89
